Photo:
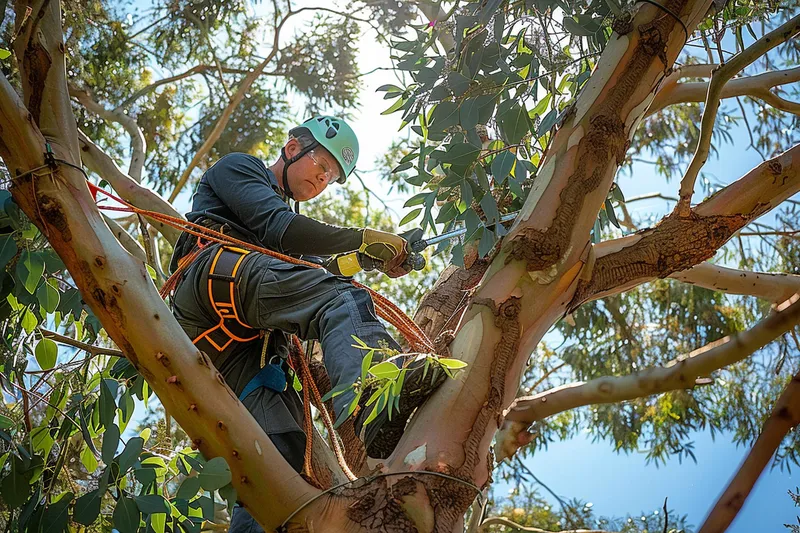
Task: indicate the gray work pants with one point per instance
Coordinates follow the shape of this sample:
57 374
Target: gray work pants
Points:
308 302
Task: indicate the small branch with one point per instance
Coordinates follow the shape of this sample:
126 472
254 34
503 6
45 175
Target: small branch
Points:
128 189
678 374
94 351
138 142
773 287
785 415
26 404
756 86
718 80
197 69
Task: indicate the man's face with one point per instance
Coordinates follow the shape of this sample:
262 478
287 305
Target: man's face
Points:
310 175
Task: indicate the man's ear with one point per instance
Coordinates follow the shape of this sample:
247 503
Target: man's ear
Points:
292 148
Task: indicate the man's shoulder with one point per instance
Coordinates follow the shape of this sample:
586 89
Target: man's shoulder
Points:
242 161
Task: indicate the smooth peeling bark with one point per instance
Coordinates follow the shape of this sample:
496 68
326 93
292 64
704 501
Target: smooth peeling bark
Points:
119 290
529 284
770 286
127 188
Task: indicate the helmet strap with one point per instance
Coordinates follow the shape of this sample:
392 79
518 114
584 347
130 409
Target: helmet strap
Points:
288 161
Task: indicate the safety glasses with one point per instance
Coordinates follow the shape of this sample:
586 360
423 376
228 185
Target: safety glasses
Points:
330 174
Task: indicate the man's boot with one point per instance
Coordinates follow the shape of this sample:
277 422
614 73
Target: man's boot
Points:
381 435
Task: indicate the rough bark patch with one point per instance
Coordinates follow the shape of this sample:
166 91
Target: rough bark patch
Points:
676 244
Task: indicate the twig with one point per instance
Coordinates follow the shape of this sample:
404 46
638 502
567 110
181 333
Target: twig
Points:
94 351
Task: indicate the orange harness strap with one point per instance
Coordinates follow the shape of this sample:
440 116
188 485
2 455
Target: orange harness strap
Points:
222 296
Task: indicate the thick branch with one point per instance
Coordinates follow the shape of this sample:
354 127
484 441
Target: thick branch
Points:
719 78
127 188
678 243
138 143
773 287
757 86
785 416
680 373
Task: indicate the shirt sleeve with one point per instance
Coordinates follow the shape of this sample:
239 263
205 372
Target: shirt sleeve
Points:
311 237
242 184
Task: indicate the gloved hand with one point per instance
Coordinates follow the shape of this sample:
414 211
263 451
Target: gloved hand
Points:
390 249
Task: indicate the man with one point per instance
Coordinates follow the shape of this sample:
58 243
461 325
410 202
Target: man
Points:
244 198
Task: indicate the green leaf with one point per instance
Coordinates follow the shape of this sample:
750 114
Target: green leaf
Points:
453 364
108 404
87 507
56 516
6 422
388 87
110 443
126 515
394 107
130 454
158 522
14 487
152 503
547 122
502 165
188 488
385 370
46 353
572 26
458 83
4 54
48 297
89 460
612 217
336 391
34 263
514 124
229 494
29 321
414 213
365 364
444 116
215 474
347 412
540 107
460 155
469 113
8 249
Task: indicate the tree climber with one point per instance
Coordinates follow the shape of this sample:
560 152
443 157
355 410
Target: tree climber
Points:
240 307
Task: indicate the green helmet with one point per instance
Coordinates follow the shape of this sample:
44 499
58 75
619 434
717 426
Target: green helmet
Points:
333 134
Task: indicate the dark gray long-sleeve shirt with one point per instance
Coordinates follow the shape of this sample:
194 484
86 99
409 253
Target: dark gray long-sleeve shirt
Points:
240 190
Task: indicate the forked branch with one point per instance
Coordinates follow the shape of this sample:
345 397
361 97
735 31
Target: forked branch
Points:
719 79
770 286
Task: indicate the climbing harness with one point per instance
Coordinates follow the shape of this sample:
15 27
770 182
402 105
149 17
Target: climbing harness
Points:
221 291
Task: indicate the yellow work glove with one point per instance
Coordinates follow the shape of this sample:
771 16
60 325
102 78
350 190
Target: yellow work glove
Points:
390 249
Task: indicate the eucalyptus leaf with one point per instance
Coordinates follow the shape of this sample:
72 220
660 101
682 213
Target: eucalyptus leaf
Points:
216 473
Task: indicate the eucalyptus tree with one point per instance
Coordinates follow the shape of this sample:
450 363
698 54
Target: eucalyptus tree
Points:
513 105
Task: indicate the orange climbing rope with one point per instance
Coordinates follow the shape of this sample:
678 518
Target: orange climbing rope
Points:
387 310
